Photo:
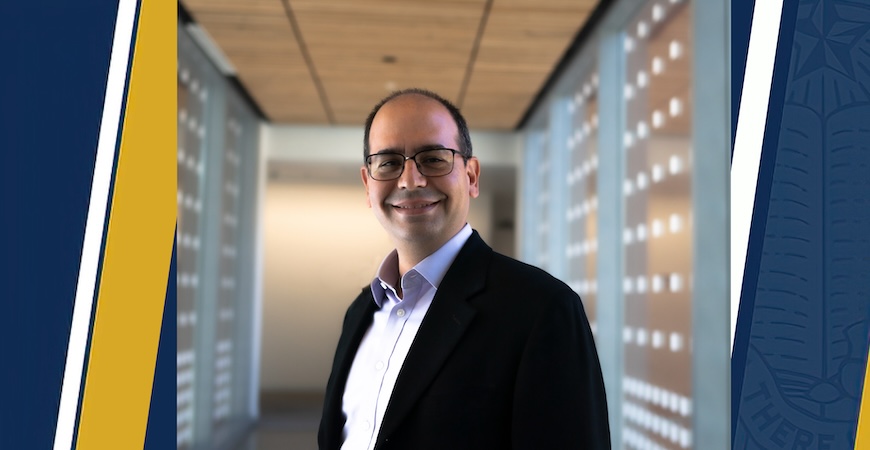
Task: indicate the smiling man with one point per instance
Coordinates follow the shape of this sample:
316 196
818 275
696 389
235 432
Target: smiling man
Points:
454 346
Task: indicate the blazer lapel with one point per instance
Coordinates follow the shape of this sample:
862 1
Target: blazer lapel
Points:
444 324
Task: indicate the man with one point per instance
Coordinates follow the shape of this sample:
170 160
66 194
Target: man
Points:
454 346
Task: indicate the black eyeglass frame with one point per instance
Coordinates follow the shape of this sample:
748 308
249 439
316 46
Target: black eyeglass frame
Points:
413 157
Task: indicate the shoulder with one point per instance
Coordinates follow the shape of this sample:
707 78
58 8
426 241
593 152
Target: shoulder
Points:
529 291
511 272
478 263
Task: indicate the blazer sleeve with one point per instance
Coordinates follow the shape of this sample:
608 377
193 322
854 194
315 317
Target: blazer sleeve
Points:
559 399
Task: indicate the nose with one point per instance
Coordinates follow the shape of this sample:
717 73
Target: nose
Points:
411 176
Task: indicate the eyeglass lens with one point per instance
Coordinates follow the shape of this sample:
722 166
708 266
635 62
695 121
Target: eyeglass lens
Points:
430 163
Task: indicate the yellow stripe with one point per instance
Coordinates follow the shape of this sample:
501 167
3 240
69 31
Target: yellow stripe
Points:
862 440
132 291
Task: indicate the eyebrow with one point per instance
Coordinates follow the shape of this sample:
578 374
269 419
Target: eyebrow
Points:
419 149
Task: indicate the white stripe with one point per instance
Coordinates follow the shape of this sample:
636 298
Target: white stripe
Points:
72 376
751 122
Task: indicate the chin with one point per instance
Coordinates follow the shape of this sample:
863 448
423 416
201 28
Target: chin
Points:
421 231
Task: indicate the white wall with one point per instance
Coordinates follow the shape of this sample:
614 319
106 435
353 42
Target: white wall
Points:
322 244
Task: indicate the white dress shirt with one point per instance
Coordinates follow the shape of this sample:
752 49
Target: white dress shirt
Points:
385 345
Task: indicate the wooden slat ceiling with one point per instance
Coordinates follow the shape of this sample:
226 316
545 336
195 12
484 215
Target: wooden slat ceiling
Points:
330 61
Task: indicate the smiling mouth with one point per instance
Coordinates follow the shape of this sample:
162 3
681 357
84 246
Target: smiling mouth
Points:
420 206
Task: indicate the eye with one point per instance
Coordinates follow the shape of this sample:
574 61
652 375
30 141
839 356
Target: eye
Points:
389 163
385 161
432 160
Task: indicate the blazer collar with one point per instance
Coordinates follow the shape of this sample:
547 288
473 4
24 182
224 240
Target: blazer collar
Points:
442 327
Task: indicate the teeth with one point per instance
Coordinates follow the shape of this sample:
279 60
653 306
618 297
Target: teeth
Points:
414 207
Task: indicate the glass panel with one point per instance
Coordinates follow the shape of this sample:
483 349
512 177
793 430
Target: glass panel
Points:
657 237
582 185
529 211
216 143
542 206
191 133
227 292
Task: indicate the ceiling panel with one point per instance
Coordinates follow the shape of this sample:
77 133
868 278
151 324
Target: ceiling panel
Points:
523 43
330 61
363 50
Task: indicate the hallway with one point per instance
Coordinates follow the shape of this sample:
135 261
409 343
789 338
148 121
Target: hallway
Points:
286 422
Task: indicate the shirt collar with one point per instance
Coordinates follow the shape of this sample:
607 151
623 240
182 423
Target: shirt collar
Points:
432 268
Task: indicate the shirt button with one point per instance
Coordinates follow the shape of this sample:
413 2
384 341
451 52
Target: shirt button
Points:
379 365
400 313
367 424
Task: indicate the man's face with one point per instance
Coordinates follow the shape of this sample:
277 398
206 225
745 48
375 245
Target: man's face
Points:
423 211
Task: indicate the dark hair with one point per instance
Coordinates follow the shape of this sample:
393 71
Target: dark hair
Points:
463 140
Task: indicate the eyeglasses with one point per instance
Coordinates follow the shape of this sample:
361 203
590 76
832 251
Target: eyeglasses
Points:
431 163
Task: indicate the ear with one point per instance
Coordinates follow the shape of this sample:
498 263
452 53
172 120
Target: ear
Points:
472 170
365 179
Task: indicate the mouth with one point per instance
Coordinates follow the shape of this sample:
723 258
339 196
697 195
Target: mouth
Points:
415 207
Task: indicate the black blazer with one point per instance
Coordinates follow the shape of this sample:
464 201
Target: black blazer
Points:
503 359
